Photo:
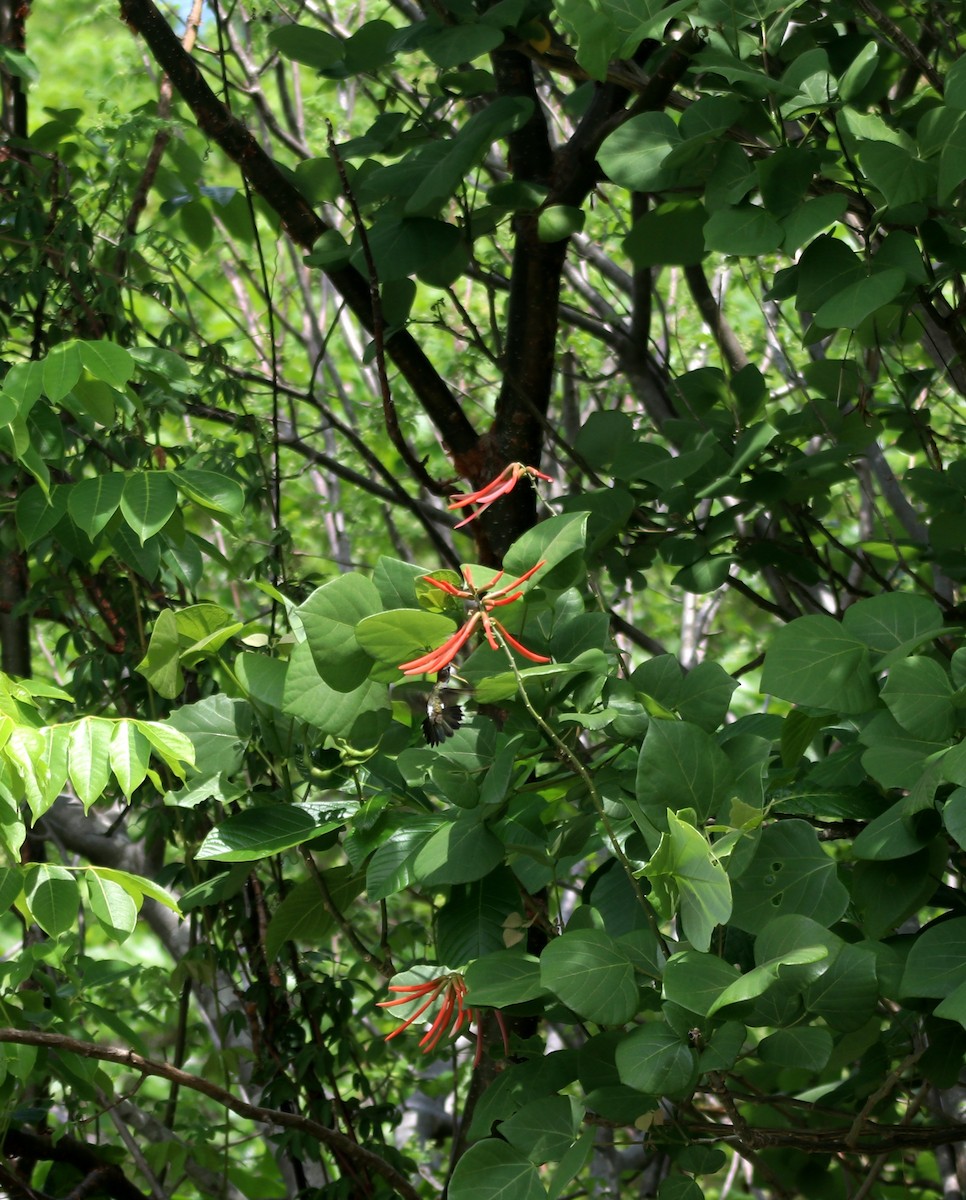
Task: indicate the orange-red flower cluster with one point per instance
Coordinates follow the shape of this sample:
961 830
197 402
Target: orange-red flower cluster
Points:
505 482
448 991
484 601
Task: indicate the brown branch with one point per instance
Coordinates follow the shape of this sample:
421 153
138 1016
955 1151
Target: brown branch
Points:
100 1177
335 1141
302 222
902 42
713 317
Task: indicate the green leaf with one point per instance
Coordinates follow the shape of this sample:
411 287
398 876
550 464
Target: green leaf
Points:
495 1170
680 766
805 1047
759 979
457 44
703 888
303 915
308 45
211 490
92 502
590 973
653 1059
405 247
62 369
89 758
161 666
339 714
390 869
544 1129
893 621
261 832
559 221
743 230
671 234
129 754
849 307
111 904
147 502
458 852
219 728
107 361
815 661
633 155
936 965
695 980
790 873
329 618
505 977
403 634
919 695
53 897
38 513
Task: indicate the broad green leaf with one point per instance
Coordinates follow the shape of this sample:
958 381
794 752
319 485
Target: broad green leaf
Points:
695 980
62 368
702 885
329 617
53 897
633 155
38 512
655 1060
559 221
743 230
457 44
816 662
759 979
355 714
936 965
89 758
11 885
403 634
590 973
805 1046
307 44
107 361
671 234
893 621
173 747
544 1129
471 923
495 1170
506 977
147 502
219 728
92 502
790 873
138 887
161 666
845 996
111 904
860 299
919 694
304 915
212 490
408 246
551 541
261 832
458 852
129 754
465 150
95 399
680 766
390 869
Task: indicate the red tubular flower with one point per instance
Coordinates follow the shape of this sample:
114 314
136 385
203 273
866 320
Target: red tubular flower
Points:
486 599
505 482
448 991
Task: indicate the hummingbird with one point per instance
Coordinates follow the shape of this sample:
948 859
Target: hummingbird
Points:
443 714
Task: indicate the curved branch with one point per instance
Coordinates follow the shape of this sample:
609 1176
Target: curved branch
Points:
331 1138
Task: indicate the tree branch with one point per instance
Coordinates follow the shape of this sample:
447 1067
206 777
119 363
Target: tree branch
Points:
331 1138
